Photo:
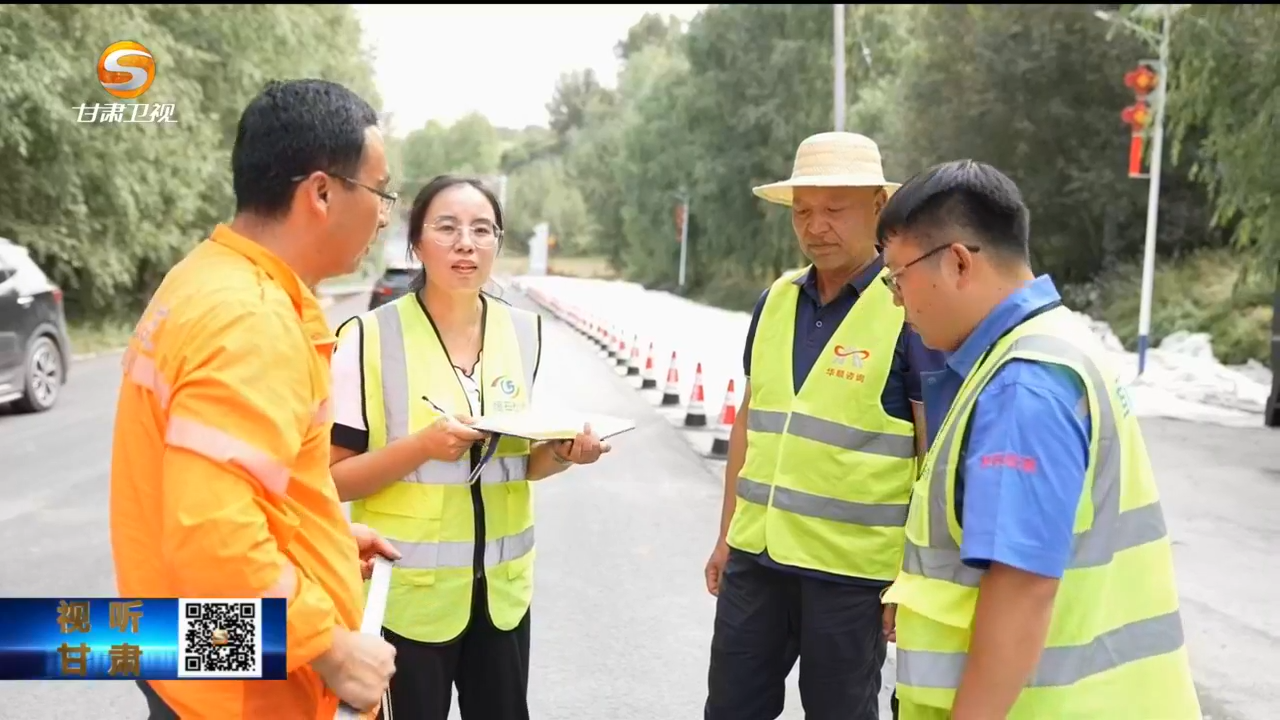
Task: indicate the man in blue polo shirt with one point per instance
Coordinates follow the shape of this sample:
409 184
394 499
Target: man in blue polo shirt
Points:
1037 579
821 459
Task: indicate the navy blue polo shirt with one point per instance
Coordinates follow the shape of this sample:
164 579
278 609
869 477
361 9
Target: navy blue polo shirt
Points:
815 325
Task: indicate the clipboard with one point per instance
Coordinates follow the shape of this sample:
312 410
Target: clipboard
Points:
537 425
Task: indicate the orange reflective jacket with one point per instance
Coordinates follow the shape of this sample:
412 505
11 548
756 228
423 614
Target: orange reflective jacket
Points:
220 483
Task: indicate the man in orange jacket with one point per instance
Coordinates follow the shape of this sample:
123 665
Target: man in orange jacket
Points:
220 482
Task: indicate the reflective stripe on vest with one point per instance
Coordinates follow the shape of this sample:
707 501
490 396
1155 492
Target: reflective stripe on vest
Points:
428 515
842 437
1110 532
803 447
453 554
396 399
1102 658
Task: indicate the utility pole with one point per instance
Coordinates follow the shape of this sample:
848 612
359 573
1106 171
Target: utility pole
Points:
1272 413
502 192
1153 202
684 235
1161 41
838 99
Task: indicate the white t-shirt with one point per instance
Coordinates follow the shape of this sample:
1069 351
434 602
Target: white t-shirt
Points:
348 392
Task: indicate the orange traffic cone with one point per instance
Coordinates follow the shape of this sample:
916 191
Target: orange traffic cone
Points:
647 380
611 342
728 415
633 365
696 414
671 393
620 351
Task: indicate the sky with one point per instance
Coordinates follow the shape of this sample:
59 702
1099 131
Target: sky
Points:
444 61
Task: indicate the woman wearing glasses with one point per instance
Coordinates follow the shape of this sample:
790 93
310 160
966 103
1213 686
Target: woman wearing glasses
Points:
408 377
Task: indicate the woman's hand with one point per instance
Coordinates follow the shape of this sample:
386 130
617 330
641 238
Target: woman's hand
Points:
449 438
552 457
584 449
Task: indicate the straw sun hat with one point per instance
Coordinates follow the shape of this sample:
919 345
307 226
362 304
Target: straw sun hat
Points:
831 159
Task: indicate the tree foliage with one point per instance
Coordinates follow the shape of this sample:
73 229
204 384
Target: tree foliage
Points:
717 106
470 146
1225 110
107 208
705 109
1035 90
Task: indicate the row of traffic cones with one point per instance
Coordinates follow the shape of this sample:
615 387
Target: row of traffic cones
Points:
615 347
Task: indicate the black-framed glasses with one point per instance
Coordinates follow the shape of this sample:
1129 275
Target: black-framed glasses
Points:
891 280
388 198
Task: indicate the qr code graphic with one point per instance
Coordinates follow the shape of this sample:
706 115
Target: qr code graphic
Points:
220 639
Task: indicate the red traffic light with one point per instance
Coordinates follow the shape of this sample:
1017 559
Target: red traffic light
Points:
1142 80
1137 115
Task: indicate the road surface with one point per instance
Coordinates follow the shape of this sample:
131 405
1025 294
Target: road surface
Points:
621 619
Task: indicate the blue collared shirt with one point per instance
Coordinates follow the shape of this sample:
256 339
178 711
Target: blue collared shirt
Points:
1023 465
816 323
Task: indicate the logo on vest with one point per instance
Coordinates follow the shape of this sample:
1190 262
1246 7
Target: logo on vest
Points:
506 390
846 363
1123 395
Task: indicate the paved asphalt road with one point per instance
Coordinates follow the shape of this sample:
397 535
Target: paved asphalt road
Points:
621 619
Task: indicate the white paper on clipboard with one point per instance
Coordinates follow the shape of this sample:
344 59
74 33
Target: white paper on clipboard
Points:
551 424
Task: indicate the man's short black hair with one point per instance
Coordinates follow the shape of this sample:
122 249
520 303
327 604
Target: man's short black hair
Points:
294 128
960 195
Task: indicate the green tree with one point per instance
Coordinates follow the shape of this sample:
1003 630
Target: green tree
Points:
540 192
1035 90
106 208
470 146
522 147
652 29
574 92
1223 107
594 170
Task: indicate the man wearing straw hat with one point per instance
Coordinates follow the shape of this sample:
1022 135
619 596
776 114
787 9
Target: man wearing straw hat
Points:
821 459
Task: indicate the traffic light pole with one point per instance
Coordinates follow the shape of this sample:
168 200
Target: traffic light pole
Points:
1153 203
839 103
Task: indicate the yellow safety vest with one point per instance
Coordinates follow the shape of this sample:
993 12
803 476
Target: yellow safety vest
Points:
1115 645
828 473
428 515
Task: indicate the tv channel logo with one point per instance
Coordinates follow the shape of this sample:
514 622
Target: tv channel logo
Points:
126 69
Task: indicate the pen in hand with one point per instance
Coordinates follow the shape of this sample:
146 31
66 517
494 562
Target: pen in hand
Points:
437 408
450 436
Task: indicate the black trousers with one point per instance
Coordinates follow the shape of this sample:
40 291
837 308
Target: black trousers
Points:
490 668
766 619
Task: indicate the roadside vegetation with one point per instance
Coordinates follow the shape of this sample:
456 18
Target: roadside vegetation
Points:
707 108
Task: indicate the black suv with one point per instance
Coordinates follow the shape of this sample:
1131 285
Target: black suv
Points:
394 283
399 273
34 347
